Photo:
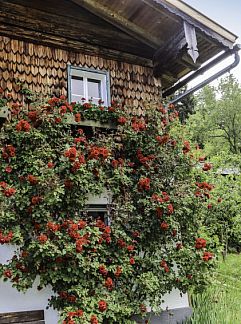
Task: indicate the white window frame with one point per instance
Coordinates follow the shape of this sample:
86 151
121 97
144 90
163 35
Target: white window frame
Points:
85 73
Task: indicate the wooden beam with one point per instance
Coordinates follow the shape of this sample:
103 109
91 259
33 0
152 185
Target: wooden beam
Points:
81 28
115 18
169 52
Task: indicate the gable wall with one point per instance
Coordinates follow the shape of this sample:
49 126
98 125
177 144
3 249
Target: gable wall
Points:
44 70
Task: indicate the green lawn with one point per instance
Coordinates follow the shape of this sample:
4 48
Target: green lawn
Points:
221 303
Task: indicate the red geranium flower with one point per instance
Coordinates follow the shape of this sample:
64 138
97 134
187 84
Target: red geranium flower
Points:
207 256
109 283
122 120
144 184
23 125
9 192
42 238
207 166
200 243
7 273
103 270
32 179
164 226
132 261
94 319
102 305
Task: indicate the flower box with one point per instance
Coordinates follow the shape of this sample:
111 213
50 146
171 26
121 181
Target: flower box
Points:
70 119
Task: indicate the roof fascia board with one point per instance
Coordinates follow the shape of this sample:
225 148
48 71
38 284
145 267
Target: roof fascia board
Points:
203 19
197 19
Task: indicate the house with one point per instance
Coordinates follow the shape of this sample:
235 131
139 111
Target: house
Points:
131 51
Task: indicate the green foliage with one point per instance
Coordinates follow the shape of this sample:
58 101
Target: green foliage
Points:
100 273
217 121
220 303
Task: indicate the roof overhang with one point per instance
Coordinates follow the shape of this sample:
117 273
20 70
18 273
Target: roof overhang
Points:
181 38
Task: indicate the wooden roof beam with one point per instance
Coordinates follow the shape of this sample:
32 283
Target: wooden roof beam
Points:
114 18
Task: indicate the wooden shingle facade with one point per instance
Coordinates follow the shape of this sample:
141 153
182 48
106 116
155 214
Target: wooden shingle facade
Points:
43 69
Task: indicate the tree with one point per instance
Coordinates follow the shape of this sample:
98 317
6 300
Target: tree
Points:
217 121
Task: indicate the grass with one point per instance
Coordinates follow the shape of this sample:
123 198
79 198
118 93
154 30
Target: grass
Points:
221 302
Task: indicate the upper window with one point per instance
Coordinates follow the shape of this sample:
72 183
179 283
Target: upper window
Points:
92 85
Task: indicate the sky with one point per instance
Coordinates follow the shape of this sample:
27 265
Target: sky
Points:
228 14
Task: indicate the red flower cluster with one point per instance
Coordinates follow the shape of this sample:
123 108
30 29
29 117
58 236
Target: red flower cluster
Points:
8 151
138 125
121 243
80 242
106 234
8 169
103 270
87 105
145 159
164 226
186 147
94 319
204 185
42 238
9 192
122 120
53 227
132 261
6 238
162 110
67 296
163 139
98 152
170 209
102 305
77 117
118 271
32 115
7 273
109 283
200 243
144 184
78 313
116 163
71 154
165 197
164 265
50 165
207 166
207 256
23 125
32 179
80 140
35 200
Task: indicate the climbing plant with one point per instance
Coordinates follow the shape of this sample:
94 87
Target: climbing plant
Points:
99 272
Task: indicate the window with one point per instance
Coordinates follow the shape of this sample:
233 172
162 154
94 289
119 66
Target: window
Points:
97 207
93 85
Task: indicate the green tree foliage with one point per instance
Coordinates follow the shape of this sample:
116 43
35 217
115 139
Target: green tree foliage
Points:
216 125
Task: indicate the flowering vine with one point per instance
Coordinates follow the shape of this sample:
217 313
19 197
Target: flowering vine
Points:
101 273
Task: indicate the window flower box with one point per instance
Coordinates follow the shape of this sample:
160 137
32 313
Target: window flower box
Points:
70 119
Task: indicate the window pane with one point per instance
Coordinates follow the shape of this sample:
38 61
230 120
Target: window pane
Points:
94 89
77 89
